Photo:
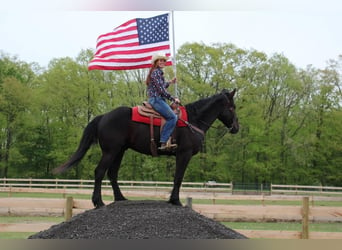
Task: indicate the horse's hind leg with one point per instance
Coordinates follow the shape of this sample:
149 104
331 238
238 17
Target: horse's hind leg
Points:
182 161
113 177
104 164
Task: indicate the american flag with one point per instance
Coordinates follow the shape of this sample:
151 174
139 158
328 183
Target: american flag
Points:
132 44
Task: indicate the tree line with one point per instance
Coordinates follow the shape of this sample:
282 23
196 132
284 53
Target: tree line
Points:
290 118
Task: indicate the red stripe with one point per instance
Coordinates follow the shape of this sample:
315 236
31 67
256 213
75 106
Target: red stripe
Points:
136 51
98 67
112 67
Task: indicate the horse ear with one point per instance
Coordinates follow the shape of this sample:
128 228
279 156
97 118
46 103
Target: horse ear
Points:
231 94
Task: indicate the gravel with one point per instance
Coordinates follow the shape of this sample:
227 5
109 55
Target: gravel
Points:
139 220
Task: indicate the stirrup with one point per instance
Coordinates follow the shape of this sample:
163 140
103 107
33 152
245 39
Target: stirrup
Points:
167 147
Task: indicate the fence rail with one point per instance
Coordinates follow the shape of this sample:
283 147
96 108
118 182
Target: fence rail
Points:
86 184
210 186
301 189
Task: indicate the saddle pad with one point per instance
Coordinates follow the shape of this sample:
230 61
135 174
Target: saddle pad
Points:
157 121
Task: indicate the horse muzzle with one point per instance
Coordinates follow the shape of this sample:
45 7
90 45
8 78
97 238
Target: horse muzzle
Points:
234 128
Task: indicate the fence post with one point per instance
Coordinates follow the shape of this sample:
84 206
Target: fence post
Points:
68 208
189 202
305 216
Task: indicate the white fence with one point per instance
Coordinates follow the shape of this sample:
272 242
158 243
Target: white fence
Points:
88 184
301 189
15 184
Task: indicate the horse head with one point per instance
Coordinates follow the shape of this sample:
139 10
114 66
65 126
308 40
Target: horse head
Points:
228 116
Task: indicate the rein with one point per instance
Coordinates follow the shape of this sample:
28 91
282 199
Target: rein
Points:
193 127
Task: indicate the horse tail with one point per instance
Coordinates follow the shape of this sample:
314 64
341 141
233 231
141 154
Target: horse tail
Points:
89 138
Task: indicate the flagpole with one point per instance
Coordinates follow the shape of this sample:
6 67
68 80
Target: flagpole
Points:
174 53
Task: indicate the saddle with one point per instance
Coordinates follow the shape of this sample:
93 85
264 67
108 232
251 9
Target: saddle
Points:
143 114
146 114
147 110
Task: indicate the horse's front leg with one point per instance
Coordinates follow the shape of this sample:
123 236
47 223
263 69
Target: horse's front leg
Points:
182 161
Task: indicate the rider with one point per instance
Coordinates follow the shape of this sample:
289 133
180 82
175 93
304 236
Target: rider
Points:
157 93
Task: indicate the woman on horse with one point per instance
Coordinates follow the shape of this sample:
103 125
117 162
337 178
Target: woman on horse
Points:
157 93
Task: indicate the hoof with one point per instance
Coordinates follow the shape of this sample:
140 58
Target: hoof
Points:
121 199
98 204
175 202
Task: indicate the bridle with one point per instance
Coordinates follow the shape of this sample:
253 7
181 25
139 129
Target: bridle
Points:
231 109
193 128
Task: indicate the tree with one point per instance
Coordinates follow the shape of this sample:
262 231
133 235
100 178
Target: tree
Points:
14 99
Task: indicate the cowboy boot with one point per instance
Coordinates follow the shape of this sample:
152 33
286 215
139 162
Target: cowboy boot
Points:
168 146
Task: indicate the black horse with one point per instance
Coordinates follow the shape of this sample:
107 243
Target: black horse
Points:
116 132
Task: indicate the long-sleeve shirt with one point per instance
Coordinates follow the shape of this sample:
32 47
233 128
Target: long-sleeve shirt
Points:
158 87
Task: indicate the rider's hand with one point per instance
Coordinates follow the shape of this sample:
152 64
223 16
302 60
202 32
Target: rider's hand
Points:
177 101
174 80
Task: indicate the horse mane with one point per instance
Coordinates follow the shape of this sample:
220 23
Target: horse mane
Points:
195 107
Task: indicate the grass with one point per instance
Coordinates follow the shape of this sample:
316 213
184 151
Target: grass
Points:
278 226
50 195
194 201
26 219
15 236
268 203
285 226
31 219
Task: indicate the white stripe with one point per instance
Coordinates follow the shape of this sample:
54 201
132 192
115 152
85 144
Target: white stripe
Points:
133 56
121 27
110 64
107 37
122 64
117 43
147 46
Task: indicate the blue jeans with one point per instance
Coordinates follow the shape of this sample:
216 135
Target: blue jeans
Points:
159 104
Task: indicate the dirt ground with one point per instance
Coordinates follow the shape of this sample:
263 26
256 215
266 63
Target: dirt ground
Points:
139 220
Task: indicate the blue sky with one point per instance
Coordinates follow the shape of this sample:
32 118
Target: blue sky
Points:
306 33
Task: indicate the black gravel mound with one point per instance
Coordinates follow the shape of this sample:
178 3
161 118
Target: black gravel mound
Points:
139 220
